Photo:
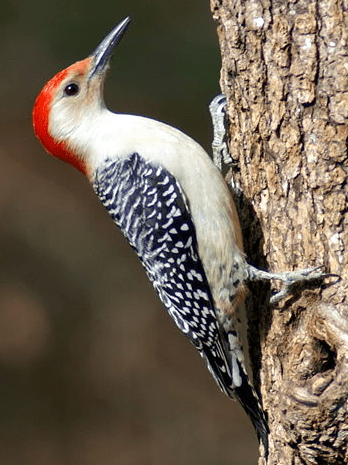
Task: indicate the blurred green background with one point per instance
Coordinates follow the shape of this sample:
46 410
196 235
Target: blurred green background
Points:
92 371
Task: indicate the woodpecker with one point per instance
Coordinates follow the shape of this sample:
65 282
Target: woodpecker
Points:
173 206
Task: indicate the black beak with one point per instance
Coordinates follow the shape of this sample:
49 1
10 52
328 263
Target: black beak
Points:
103 52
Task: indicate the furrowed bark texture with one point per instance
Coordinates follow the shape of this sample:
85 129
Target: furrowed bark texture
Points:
285 74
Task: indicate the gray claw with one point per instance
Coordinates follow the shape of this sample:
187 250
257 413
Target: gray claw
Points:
217 110
289 278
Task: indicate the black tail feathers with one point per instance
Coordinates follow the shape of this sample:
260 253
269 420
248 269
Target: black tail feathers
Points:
233 381
247 397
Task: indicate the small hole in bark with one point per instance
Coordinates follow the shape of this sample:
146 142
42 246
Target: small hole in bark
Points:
325 357
308 104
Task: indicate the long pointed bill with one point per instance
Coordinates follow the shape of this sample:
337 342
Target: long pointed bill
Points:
103 52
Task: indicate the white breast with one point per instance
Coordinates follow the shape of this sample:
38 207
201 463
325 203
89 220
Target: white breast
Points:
212 208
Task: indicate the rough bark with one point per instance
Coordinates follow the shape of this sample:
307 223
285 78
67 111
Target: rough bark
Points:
285 73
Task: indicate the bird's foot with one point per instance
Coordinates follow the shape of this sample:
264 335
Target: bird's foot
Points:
217 110
289 278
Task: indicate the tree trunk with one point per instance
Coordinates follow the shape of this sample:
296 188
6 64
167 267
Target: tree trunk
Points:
285 74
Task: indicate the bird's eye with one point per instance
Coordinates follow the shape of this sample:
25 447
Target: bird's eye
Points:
71 89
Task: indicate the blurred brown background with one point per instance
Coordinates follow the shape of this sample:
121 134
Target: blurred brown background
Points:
92 371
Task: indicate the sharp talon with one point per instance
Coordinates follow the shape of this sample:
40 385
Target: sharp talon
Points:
277 297
218 100
289 278
217 110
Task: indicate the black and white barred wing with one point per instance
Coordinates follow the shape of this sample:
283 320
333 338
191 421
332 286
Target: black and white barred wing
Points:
150 207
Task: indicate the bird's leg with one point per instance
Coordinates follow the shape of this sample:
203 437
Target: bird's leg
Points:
289 278
217 110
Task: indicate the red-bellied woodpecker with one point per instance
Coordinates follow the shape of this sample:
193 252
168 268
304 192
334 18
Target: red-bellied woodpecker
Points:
172 204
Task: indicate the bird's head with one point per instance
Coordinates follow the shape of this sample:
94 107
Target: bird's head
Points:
70 97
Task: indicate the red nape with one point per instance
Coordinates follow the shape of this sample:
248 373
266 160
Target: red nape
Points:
41 113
